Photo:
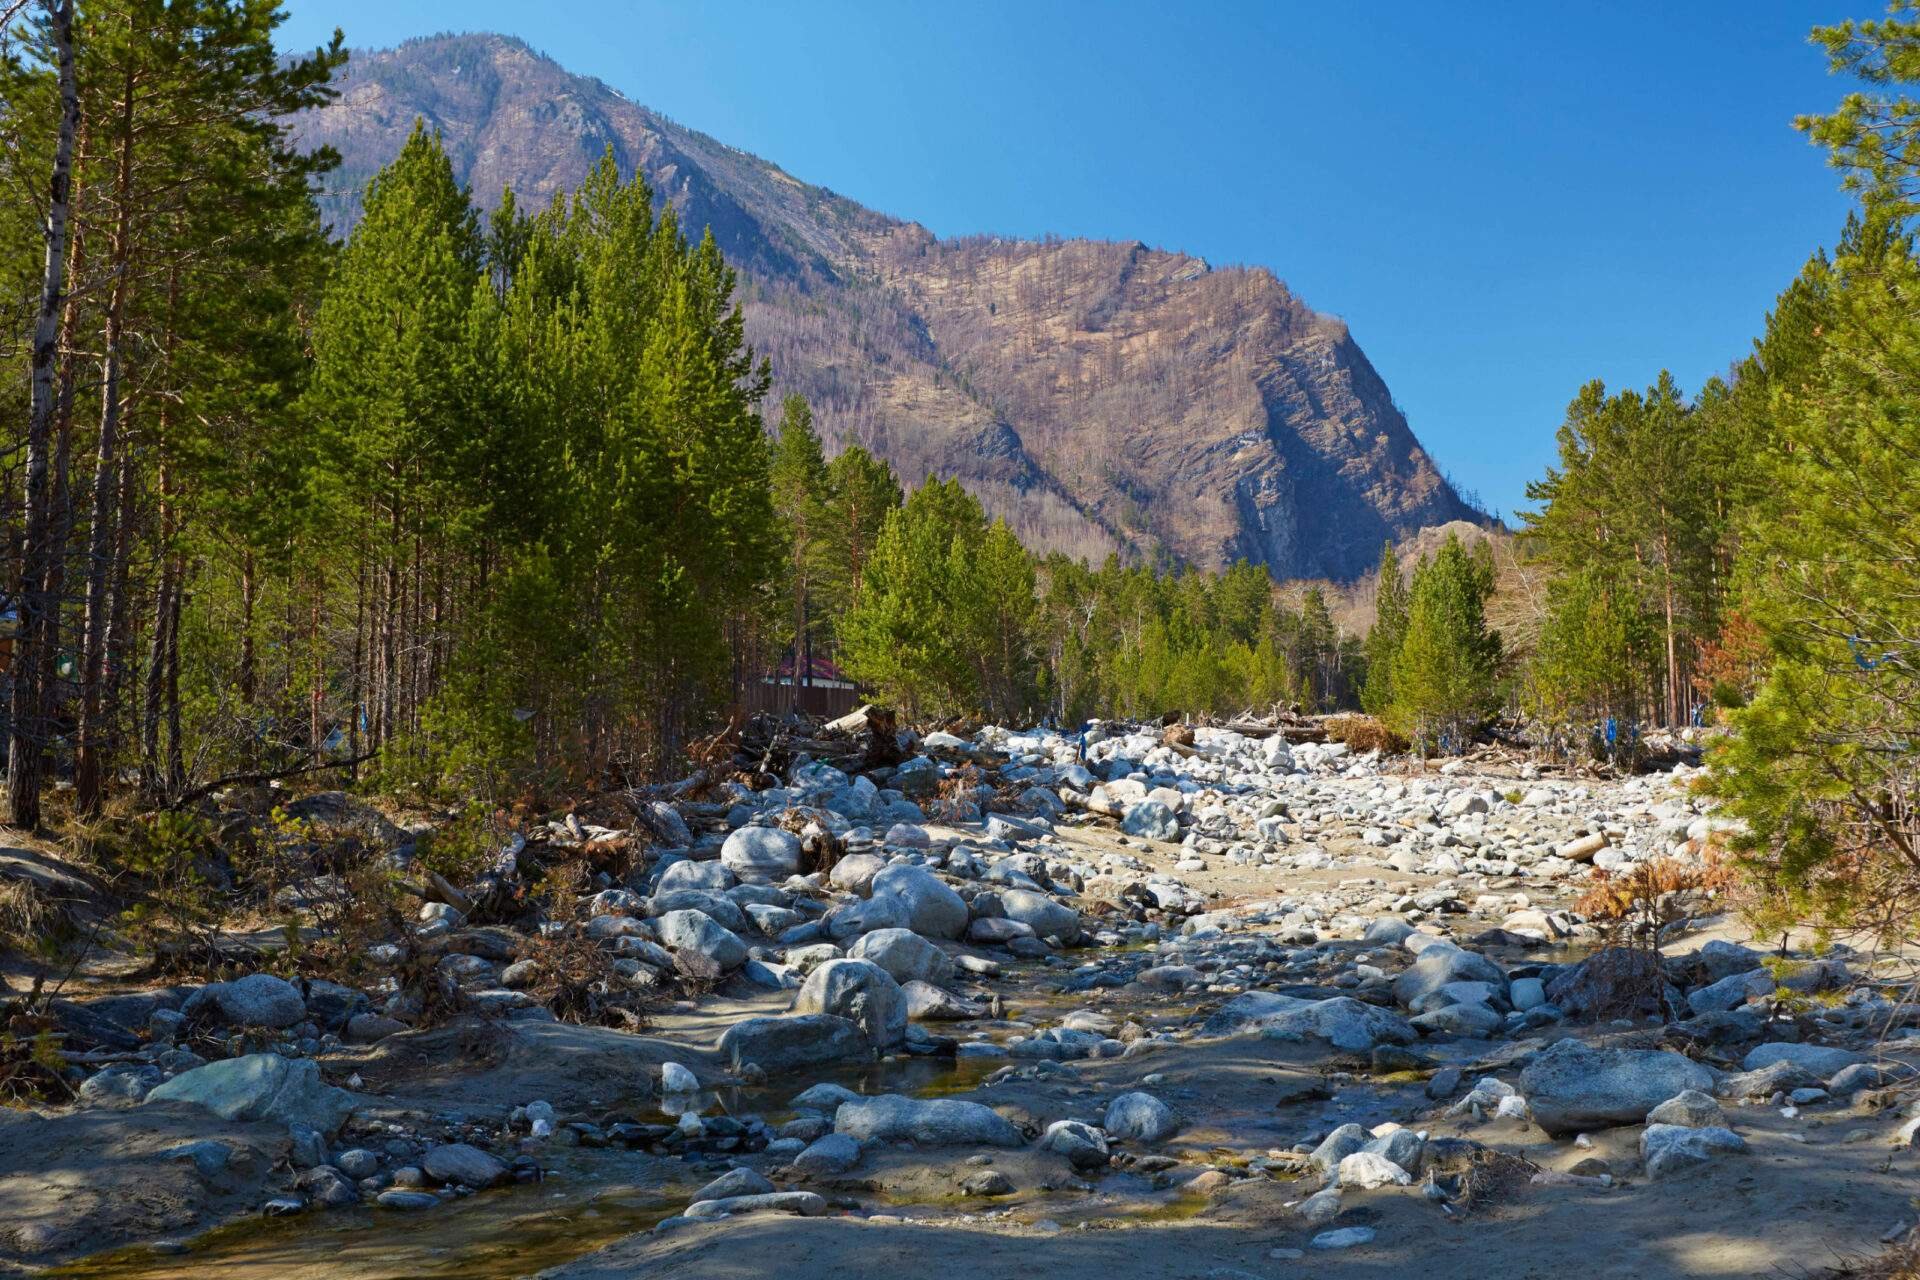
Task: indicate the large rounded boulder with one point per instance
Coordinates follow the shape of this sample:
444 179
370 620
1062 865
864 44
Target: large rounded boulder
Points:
861 992
933 909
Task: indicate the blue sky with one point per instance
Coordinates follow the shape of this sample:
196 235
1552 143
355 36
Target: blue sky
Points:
1502 201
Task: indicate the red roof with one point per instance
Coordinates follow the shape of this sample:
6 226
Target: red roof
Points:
818 669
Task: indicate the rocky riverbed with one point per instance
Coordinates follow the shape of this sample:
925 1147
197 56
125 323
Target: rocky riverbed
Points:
1194 1004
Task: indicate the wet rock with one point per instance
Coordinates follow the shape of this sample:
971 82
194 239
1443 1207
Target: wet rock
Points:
933 1122
861 992
399 1198
794 1043
459 1163
1668 1149
261 1086
328 1187
677 1079
1571 1087
1141 1117
357 1162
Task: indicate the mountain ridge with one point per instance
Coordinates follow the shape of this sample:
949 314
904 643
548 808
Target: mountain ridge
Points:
1102 395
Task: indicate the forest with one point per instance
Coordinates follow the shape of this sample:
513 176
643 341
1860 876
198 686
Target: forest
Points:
495 504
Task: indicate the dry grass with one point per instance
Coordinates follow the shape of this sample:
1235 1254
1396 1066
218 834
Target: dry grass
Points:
32 922
1899 1262
1364 733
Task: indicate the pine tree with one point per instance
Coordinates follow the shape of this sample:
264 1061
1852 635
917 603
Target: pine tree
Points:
1384 637
800 489
1443 677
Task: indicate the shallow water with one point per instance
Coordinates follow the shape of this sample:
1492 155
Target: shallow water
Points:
588 1202
496 1236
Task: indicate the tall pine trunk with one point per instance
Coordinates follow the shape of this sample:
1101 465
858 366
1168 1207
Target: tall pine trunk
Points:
87 780
28 732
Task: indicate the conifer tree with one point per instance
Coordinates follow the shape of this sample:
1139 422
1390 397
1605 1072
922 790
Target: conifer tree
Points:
1384 637
1443 677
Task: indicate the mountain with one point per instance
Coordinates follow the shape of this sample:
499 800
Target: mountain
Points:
1100 396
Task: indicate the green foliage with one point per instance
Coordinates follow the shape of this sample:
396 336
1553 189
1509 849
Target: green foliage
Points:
1444 673
178 908
1821 767
1591 658
942 625
1386 635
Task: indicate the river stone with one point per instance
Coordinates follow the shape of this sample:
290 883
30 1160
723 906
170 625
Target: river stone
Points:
855 872
928 1003
463 1164
703 946
934 910
805 1203
723 910
1817 1059
1343 1022
1084 1146
396 1198
734 1182
1366 1170
1140 1116
932 1122
835 1153
707 877
1668 1149
261 1086
861 992
1571 1087
257 1000
1731 992
1151 820
794 1043
1047 918
904 954
1689 1110
761 855
1609 984
864 916
1440 963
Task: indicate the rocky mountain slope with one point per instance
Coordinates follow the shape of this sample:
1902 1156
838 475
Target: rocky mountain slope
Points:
1101 396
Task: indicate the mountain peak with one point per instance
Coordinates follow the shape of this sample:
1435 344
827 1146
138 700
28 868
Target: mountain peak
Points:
1102 396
